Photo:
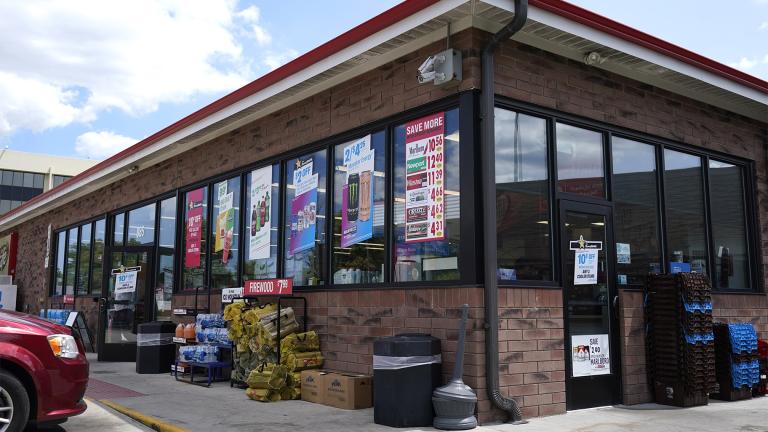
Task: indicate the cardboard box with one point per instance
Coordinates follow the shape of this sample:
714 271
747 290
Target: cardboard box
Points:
348 391
313 385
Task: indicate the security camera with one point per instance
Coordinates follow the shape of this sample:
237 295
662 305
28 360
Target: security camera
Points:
427 70
441 68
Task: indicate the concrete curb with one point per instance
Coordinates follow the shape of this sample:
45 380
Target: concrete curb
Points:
147 420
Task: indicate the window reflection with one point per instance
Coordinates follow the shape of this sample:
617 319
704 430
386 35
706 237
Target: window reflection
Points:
684 197
726 191
636 223
522 197
141 226
580 161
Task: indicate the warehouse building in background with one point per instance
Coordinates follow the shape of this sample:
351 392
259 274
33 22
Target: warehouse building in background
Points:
344 173
24 175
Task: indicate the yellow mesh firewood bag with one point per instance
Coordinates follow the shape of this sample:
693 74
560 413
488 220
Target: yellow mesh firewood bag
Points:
258 394
300 342
301 361
233 311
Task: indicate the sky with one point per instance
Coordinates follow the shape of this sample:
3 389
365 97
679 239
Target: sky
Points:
88 78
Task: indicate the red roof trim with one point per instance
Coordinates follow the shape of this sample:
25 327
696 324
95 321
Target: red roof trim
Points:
614 28
345 40
393 16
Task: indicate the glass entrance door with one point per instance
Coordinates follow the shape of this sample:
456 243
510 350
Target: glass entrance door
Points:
127 303
593 376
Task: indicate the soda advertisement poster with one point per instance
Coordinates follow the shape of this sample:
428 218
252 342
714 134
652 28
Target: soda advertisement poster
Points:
425 179
259 213
225 221
194 228
304 208
357 192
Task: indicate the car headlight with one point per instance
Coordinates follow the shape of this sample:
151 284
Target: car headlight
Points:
63 346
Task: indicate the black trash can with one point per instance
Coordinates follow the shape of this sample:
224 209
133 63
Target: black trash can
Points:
155 351
406 369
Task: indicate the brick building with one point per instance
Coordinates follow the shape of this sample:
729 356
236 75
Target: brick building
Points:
602 133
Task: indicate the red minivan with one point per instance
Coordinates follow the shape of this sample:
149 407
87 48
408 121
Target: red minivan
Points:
43 372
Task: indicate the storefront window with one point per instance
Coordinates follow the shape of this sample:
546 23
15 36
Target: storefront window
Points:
226 224
522 197
684 197
61 247
195 238
263 205
726 193
141 226
305 219
635 215
99 235
71 262
166 252
119 229
427 198
580 168
358 210
85 260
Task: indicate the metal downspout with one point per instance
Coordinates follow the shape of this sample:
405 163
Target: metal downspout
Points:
489 214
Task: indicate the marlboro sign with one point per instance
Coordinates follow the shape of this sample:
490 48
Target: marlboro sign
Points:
265 287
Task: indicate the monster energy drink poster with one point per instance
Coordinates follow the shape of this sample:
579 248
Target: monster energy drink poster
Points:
357 192
261 207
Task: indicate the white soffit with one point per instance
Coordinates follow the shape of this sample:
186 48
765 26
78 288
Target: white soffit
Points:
559 35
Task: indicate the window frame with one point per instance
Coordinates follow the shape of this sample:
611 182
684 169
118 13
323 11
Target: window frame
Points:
747 167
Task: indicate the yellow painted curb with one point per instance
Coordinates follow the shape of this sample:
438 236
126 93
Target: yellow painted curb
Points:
146 420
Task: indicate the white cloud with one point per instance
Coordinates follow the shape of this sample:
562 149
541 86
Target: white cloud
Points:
101 145
744 64
251 16
763 26
65 62
276 59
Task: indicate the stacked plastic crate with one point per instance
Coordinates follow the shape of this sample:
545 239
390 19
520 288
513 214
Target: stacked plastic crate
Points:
680 342
738 368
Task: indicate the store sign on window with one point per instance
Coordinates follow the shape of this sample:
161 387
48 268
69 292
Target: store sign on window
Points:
260 211
303 207
357 192
125 282
590 355
194 228
425 179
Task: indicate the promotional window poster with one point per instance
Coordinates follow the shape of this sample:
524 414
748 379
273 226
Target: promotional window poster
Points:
304 207
259 214
357 192
194 228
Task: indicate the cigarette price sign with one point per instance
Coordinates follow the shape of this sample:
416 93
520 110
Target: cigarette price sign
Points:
425 179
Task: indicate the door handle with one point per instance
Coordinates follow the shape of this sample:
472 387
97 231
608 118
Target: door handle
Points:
615 302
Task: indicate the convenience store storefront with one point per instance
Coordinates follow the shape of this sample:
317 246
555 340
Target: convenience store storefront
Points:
366 190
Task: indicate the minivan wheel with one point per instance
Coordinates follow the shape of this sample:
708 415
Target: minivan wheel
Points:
14 404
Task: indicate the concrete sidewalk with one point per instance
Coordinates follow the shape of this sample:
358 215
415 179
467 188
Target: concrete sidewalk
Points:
221 408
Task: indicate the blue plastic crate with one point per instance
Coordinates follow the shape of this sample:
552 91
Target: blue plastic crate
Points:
692 307
743 338
699 338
